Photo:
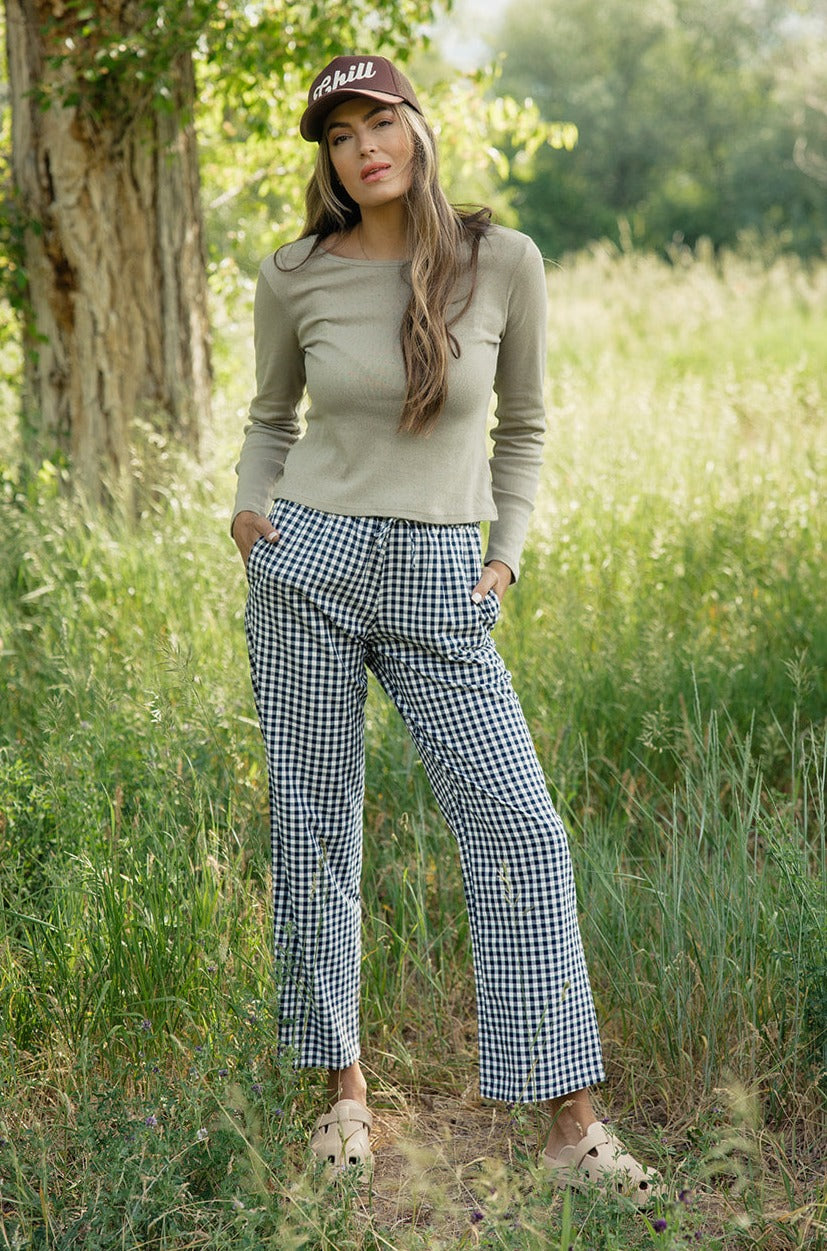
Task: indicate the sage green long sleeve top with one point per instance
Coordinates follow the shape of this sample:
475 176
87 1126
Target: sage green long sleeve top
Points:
330 325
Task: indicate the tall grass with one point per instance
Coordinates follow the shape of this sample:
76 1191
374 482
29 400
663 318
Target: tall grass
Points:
668 641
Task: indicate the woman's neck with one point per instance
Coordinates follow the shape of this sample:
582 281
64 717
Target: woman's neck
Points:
382 234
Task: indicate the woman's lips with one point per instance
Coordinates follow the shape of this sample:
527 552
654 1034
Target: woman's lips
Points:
371 173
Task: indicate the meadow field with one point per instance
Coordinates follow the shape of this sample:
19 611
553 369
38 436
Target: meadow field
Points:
668 638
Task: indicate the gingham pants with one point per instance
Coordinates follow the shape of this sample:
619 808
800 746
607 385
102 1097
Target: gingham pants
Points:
336 594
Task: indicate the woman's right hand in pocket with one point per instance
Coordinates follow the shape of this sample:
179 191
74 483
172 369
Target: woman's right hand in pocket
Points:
247 528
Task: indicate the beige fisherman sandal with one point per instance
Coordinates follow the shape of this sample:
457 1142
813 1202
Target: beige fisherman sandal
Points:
601 1159
341 1137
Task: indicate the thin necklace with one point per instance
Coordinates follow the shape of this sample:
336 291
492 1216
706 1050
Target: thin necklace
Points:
358 231
360 241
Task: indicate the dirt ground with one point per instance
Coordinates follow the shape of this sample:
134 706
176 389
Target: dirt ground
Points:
453 1165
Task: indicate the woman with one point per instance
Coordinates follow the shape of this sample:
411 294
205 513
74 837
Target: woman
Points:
399 315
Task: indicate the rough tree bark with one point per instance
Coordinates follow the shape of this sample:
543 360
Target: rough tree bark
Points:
117 326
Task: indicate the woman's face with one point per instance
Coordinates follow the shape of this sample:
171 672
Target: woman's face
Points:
370 151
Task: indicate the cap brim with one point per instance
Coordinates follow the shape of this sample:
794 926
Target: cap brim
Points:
311 126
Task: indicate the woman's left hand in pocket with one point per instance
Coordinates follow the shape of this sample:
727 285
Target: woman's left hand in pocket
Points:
496 577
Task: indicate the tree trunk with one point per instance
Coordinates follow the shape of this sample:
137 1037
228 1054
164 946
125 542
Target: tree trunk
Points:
117 324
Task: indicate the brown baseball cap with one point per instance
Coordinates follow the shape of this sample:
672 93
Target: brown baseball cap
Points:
349 76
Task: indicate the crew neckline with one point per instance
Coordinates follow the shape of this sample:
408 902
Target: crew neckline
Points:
360 260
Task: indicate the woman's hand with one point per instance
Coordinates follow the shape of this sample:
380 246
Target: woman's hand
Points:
497 576
247 527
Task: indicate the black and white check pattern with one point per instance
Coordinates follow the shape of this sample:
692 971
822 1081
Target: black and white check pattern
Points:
337 594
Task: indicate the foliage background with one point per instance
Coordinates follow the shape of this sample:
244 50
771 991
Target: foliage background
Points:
668 639
695 120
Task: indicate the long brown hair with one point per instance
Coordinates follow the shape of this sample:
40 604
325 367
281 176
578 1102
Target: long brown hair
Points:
444 246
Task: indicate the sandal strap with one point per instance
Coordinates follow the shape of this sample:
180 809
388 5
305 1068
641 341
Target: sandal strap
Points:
346 1110
596 1136
627 1163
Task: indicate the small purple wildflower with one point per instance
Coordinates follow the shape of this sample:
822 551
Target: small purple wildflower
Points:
685 1196
151 1121
477 1216
659 1225
223 1072
278 1112
257 1088
146 1026
211 968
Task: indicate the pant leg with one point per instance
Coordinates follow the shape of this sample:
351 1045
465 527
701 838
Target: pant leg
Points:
309 680
433 653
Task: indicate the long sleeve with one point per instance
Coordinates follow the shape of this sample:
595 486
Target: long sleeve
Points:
274 422
520 413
